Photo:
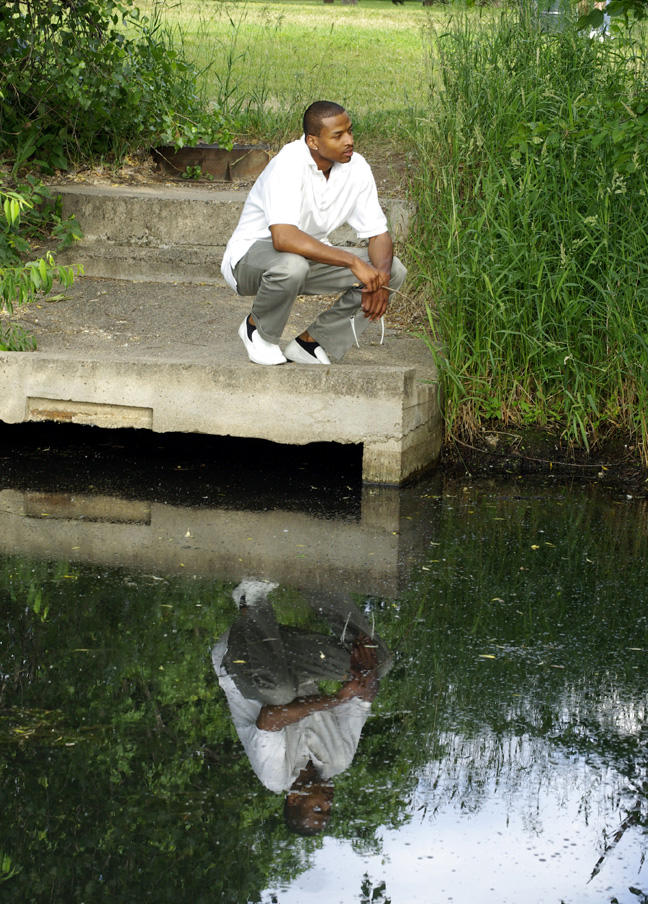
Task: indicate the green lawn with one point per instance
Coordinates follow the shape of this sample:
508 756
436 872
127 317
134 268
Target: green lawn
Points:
270 60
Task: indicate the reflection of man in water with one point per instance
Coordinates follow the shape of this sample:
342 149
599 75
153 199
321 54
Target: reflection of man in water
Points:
296 737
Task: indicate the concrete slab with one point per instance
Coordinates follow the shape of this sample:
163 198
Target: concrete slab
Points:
167 358
168 233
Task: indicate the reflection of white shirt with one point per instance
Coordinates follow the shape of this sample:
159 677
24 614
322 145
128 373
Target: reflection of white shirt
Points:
327 738
292 190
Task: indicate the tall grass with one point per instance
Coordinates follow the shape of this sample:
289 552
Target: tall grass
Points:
532 229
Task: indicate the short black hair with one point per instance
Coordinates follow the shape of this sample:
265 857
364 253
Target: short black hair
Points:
321 109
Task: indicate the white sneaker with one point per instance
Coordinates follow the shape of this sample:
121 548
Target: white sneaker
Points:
252 593
296 352
259 351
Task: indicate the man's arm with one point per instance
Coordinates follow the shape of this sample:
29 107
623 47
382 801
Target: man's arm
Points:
363 684
274 718
381 253
293 240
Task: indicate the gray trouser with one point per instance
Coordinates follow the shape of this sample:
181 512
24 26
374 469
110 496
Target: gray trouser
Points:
276 278
274 664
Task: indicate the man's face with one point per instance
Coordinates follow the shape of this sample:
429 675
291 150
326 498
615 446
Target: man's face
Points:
334 144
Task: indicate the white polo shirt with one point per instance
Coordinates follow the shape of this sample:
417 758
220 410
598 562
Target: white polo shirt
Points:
329 738
292 190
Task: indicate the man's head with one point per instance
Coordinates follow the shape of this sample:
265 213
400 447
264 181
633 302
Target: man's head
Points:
317 113
329 134
307 809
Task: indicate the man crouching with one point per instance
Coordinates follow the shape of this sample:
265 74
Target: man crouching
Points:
280 248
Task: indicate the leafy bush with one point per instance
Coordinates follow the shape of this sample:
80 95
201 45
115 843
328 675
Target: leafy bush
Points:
92 77
532 229
21 283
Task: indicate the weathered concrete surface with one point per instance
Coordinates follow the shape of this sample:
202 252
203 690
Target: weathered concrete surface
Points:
385 408
167 358
167 233
369 555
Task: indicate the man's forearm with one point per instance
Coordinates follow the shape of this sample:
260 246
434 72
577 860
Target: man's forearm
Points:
381 252
294 241
274 718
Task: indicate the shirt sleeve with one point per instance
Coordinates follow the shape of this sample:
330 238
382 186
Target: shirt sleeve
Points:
367 217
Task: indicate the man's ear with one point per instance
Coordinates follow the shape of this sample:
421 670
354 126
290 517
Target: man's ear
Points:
311 141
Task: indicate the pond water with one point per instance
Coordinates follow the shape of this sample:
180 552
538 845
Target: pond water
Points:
499 756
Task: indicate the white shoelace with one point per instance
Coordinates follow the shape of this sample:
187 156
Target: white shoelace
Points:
382 330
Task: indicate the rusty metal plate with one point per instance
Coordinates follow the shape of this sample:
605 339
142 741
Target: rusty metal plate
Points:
242 162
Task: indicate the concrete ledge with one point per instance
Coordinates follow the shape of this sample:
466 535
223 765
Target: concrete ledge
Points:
162 264
168 233
393 413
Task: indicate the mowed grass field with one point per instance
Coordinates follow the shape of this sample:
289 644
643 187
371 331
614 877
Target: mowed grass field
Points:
268 60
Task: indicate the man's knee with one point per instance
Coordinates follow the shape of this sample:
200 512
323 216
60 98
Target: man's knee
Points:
289 270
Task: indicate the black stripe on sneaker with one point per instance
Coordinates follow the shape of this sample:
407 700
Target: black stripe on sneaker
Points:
307 346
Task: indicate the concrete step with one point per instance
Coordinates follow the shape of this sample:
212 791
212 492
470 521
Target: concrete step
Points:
169 233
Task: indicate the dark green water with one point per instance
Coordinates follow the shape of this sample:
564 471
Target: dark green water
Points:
505 756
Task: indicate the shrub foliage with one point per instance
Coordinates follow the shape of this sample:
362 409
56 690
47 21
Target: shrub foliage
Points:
93 77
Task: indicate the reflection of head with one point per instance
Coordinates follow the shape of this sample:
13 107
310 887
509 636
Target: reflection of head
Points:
250 592
308 810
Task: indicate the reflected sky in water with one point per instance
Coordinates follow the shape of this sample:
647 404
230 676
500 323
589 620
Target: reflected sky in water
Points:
504 757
